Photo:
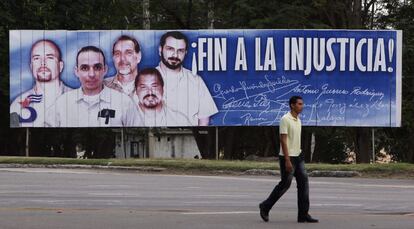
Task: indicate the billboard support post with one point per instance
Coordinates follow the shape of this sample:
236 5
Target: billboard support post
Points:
373 145
27 142
123 142
217 148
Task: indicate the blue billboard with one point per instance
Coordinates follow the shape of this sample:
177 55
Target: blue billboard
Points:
139 78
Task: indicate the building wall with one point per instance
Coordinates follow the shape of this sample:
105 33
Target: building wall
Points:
130 140
174 146
166 145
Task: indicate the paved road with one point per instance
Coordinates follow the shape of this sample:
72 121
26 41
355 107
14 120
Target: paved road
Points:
53 198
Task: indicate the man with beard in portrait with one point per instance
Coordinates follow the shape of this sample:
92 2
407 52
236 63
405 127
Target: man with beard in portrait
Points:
185 92
149 88
46 64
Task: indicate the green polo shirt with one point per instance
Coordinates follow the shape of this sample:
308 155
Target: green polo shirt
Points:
292 127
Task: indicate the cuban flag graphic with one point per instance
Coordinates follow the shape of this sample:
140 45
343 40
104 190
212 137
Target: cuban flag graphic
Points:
33 98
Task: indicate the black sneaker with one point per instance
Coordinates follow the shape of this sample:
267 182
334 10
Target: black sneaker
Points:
264 213
307 219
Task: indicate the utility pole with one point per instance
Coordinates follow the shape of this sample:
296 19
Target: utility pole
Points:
210 14
146 24
146 14
210 20
372 129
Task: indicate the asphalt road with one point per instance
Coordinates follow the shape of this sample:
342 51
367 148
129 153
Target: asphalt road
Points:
53 198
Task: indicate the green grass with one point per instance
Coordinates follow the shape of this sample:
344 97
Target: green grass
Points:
213 165
184 164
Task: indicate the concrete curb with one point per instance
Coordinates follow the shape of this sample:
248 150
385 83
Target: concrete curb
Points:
261 172
77 166
250 172
317 173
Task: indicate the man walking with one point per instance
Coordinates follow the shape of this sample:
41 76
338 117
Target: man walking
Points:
292 164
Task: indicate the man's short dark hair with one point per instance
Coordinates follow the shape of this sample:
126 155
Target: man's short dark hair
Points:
175 34
294 99
93 49
149 71
51 42
137 47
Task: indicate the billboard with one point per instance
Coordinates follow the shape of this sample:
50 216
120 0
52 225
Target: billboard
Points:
144 78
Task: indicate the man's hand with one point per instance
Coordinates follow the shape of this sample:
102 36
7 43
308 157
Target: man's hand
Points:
283 142
288 166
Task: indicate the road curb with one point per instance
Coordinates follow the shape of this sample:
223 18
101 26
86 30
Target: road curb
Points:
250 172
318 173
261 172
77 166
315 173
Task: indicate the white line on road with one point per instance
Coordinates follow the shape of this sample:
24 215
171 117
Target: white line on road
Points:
342 205
231 196
220 213
364 185
50 170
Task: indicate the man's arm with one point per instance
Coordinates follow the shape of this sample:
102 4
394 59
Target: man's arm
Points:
207 106
132 117
288 163
51 119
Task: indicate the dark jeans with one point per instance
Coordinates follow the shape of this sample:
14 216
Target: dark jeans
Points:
301 176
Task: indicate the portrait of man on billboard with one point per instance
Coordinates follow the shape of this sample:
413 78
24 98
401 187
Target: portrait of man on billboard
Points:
126 55
46 65
149 99
93 104
183 91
